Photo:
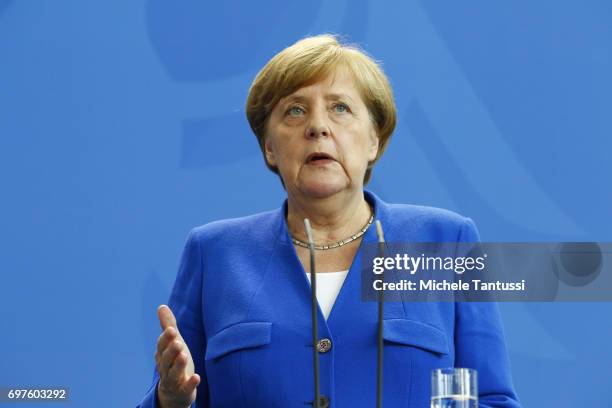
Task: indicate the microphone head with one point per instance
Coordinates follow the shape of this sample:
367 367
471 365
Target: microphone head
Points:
308 231
379 231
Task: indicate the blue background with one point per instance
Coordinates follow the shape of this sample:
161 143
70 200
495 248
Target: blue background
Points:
122 126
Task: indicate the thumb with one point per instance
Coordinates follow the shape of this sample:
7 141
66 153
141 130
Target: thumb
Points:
166 317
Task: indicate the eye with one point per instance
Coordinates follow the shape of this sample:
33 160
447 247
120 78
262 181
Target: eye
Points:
341 108
294 111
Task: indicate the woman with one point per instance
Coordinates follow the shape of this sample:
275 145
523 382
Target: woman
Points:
323 114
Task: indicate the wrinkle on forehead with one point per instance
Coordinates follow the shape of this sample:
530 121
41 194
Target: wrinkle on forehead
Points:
339 74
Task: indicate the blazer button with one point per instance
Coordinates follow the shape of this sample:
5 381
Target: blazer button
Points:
323 401
324 345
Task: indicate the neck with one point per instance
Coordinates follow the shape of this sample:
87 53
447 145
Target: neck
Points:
332 218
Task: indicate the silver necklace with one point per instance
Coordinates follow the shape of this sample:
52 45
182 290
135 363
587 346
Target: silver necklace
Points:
339 243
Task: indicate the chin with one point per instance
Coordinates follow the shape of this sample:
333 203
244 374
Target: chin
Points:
322 188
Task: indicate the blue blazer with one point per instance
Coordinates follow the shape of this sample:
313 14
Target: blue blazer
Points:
242 303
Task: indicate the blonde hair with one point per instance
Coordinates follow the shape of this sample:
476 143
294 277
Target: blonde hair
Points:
310 60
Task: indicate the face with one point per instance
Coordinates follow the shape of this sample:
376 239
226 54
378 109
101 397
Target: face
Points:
321 138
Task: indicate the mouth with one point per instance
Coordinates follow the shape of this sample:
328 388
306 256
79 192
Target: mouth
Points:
319 158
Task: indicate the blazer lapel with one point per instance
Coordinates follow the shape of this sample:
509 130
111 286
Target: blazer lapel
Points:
348 309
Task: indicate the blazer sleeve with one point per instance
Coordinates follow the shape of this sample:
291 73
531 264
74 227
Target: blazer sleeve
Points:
186 304
480 344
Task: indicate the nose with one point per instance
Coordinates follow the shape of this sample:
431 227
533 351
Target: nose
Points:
317 126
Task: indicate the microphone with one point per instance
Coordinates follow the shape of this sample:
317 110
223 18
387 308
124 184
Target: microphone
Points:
315 324
379 367
313 309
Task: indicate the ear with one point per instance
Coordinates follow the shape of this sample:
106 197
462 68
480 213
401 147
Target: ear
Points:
269 152
373 146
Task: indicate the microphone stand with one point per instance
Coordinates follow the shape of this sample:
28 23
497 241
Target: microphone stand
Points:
315 325
313 309
379 365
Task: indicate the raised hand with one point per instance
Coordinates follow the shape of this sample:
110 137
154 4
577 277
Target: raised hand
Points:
178 381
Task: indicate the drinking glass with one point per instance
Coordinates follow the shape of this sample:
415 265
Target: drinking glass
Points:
454 388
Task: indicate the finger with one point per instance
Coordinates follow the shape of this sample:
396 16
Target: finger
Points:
177 370
191 384
169 355
166 317
164 339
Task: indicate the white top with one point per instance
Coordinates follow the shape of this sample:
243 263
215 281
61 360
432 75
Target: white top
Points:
328 287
